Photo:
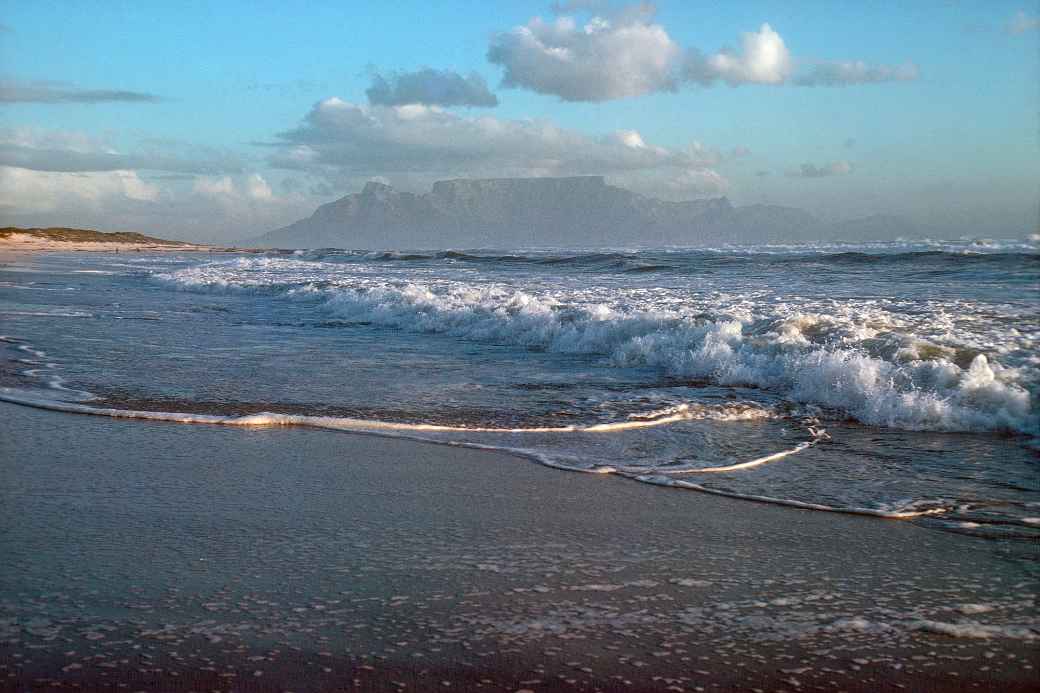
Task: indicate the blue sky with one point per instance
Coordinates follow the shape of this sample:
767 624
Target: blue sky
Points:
214 120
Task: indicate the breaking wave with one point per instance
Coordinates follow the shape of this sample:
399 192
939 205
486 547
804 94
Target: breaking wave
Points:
876 372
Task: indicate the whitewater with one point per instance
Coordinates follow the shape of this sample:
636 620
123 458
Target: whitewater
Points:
890 379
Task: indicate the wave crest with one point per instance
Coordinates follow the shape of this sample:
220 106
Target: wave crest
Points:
874 372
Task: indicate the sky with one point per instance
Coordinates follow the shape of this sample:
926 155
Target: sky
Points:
220 121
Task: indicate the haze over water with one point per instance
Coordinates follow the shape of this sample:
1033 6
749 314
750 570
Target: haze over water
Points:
893 379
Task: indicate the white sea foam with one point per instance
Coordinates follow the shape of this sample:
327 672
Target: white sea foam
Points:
896 514
869 361
964 629
975 630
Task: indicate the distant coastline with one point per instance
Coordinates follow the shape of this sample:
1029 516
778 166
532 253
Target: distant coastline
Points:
87 240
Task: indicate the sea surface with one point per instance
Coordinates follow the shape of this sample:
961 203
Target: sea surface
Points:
890 379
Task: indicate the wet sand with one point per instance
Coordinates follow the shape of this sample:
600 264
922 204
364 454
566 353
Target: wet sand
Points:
154 556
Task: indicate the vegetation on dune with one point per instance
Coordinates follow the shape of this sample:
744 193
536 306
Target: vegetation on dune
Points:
86 236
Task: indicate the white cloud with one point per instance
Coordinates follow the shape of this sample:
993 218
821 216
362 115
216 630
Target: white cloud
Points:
344 142
835 168
238 189
623 53
597 61
674 184
430 87
763 59
217 188
1022 22
237 193
630 138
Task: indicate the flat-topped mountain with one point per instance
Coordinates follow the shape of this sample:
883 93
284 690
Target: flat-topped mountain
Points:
515 212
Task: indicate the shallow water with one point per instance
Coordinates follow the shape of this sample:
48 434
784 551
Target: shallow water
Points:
889 379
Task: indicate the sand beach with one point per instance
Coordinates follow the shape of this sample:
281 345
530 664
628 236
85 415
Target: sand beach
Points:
163 556
62 240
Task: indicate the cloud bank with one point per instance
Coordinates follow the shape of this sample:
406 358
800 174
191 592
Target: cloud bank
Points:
342 141
53 93
221 208
627 54
58 151
53 177
430 87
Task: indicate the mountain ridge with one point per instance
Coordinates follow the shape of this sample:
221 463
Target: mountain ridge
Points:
577 211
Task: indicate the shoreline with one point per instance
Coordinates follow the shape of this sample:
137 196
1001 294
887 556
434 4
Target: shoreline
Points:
409 432
62 239
170 557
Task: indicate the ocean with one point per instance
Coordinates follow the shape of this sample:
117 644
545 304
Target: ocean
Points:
889 379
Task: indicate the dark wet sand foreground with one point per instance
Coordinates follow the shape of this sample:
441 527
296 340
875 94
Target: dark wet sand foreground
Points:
153 556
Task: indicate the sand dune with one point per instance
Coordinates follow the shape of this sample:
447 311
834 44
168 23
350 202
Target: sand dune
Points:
86 240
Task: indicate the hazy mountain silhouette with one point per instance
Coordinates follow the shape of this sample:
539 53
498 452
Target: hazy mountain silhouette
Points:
577 211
